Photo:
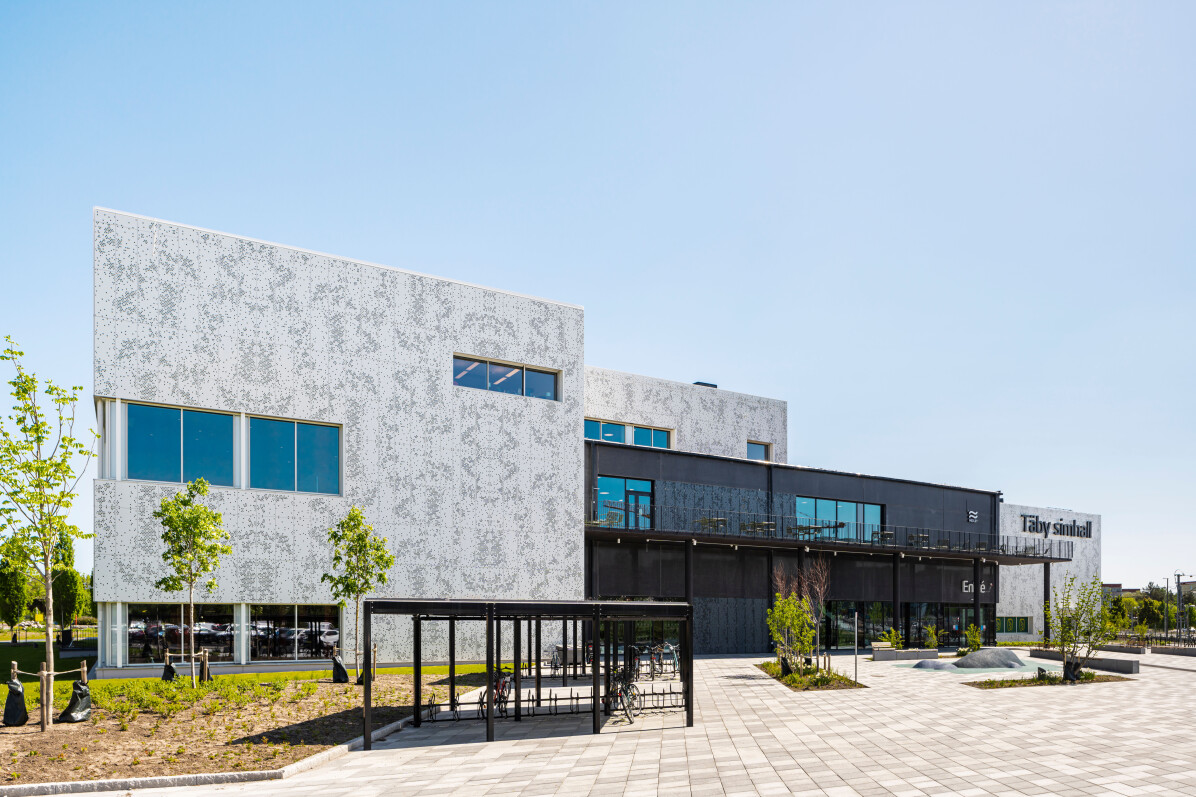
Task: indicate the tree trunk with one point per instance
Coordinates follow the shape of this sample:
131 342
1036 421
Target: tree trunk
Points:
191 627
49 584
356 631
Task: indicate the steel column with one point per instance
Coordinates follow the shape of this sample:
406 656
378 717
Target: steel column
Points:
518 673
688 667
490 672
539 656
897 593
367 730
594 672
564 651
976 607
452 662
416 668
1046 601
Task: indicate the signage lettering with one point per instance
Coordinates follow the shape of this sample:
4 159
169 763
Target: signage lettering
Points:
969 588
1032 524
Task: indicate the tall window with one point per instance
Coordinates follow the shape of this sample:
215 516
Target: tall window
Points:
622 433
292 632
287 455
168 444
515 380
859 521
758 451
624 503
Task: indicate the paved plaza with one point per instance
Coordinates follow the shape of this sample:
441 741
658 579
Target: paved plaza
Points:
911 732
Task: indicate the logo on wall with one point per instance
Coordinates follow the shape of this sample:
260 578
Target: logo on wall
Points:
973 516
1032 525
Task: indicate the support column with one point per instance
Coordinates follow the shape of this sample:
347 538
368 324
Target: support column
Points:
594 671
518 663
452 653
490 673
564 651
687 666
576 653
897 593
1046 599
367 729
977 609
539 656
417 628
607 660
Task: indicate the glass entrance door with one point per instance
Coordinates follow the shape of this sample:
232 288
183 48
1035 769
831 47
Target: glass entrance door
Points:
639 510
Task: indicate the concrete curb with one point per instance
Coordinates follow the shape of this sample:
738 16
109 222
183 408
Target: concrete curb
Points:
206 779
1122 666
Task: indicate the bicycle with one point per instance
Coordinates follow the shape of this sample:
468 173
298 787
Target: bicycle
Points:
502 692
625 693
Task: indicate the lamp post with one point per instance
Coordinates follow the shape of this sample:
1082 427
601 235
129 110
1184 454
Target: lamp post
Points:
1179 606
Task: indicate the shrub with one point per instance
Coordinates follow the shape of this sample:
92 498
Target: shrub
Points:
894 638
932 637
972 633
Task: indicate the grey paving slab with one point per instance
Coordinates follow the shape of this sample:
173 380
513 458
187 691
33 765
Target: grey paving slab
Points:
910 733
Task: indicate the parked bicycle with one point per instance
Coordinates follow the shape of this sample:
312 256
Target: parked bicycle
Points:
625 694
502 692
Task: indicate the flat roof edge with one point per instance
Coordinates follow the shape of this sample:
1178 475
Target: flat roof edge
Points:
342 258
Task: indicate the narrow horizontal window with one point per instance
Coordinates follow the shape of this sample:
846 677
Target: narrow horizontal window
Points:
757 451
642 436
469 373
541 384
660 438
514 380
593 430
614 432
506 379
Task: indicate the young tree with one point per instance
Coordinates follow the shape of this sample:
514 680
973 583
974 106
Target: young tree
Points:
816 583
362 560
1079 622
195 540
14 592
38 477
791 626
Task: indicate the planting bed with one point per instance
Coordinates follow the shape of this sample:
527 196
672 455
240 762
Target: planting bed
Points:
805 683
146 727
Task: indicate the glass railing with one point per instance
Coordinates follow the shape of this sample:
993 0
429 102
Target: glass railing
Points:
699 521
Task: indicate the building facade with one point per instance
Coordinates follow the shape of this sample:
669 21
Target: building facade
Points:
464 422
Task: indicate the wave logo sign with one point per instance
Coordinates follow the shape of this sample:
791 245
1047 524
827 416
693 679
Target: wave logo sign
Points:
973 516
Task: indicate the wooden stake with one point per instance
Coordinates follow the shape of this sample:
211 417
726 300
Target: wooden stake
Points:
83 671
41 680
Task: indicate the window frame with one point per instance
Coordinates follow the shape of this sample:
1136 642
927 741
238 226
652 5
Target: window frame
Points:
487 362
340 445
629 430
767 451
123 437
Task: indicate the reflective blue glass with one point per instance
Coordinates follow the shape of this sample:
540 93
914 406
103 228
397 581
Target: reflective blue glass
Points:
639 485
540 385
208 447
612 492
506 379
660 438
613 432
871 518
642 436
847 515
153 443
805 507
757 451
593 430
319 463
824 510
469 373
271 454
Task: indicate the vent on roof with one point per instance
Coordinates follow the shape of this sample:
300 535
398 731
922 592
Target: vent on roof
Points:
706 384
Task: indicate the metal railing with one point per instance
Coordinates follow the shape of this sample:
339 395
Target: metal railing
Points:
702 521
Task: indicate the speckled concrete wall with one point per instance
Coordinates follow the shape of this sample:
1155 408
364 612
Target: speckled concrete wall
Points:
706 420
480 494
1021 593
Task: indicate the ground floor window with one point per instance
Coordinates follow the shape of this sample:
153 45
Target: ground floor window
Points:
289 631
876 618
1013 625
156 629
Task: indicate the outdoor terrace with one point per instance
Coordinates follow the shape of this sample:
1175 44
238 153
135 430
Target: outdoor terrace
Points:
703 524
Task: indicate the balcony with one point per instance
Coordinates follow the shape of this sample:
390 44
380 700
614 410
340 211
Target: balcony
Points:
654 521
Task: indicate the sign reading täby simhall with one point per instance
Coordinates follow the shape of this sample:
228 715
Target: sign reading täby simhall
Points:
1032 525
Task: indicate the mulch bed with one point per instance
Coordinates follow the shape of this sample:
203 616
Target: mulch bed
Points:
1017 683
809 683
276 726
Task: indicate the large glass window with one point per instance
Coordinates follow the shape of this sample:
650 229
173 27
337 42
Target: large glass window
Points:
619 433
469 373
503 378
825 511
319 458
540 384
208 447
757 451
285 455
154 629
845 512
293 632
871 519
154 443
271 454
624 503
506 379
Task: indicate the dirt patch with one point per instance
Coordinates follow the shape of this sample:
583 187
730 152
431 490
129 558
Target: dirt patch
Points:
820 681
262 726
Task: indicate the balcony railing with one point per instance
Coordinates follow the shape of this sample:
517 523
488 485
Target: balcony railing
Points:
753 526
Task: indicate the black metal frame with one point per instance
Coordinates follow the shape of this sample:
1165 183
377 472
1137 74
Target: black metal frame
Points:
493 613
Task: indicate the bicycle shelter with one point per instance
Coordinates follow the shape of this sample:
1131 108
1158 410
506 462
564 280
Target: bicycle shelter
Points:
588 619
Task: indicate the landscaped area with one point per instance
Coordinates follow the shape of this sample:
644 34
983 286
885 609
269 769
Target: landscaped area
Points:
821 679
1046 679
145 727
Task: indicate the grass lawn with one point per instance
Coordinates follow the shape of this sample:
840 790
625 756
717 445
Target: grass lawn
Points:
143 727
814 681
29 657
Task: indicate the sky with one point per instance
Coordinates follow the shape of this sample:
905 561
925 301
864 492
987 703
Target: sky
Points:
957 238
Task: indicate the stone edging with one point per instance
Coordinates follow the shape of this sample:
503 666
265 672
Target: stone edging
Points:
203 779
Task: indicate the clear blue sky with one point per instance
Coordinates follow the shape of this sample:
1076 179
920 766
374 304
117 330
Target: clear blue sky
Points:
957 238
